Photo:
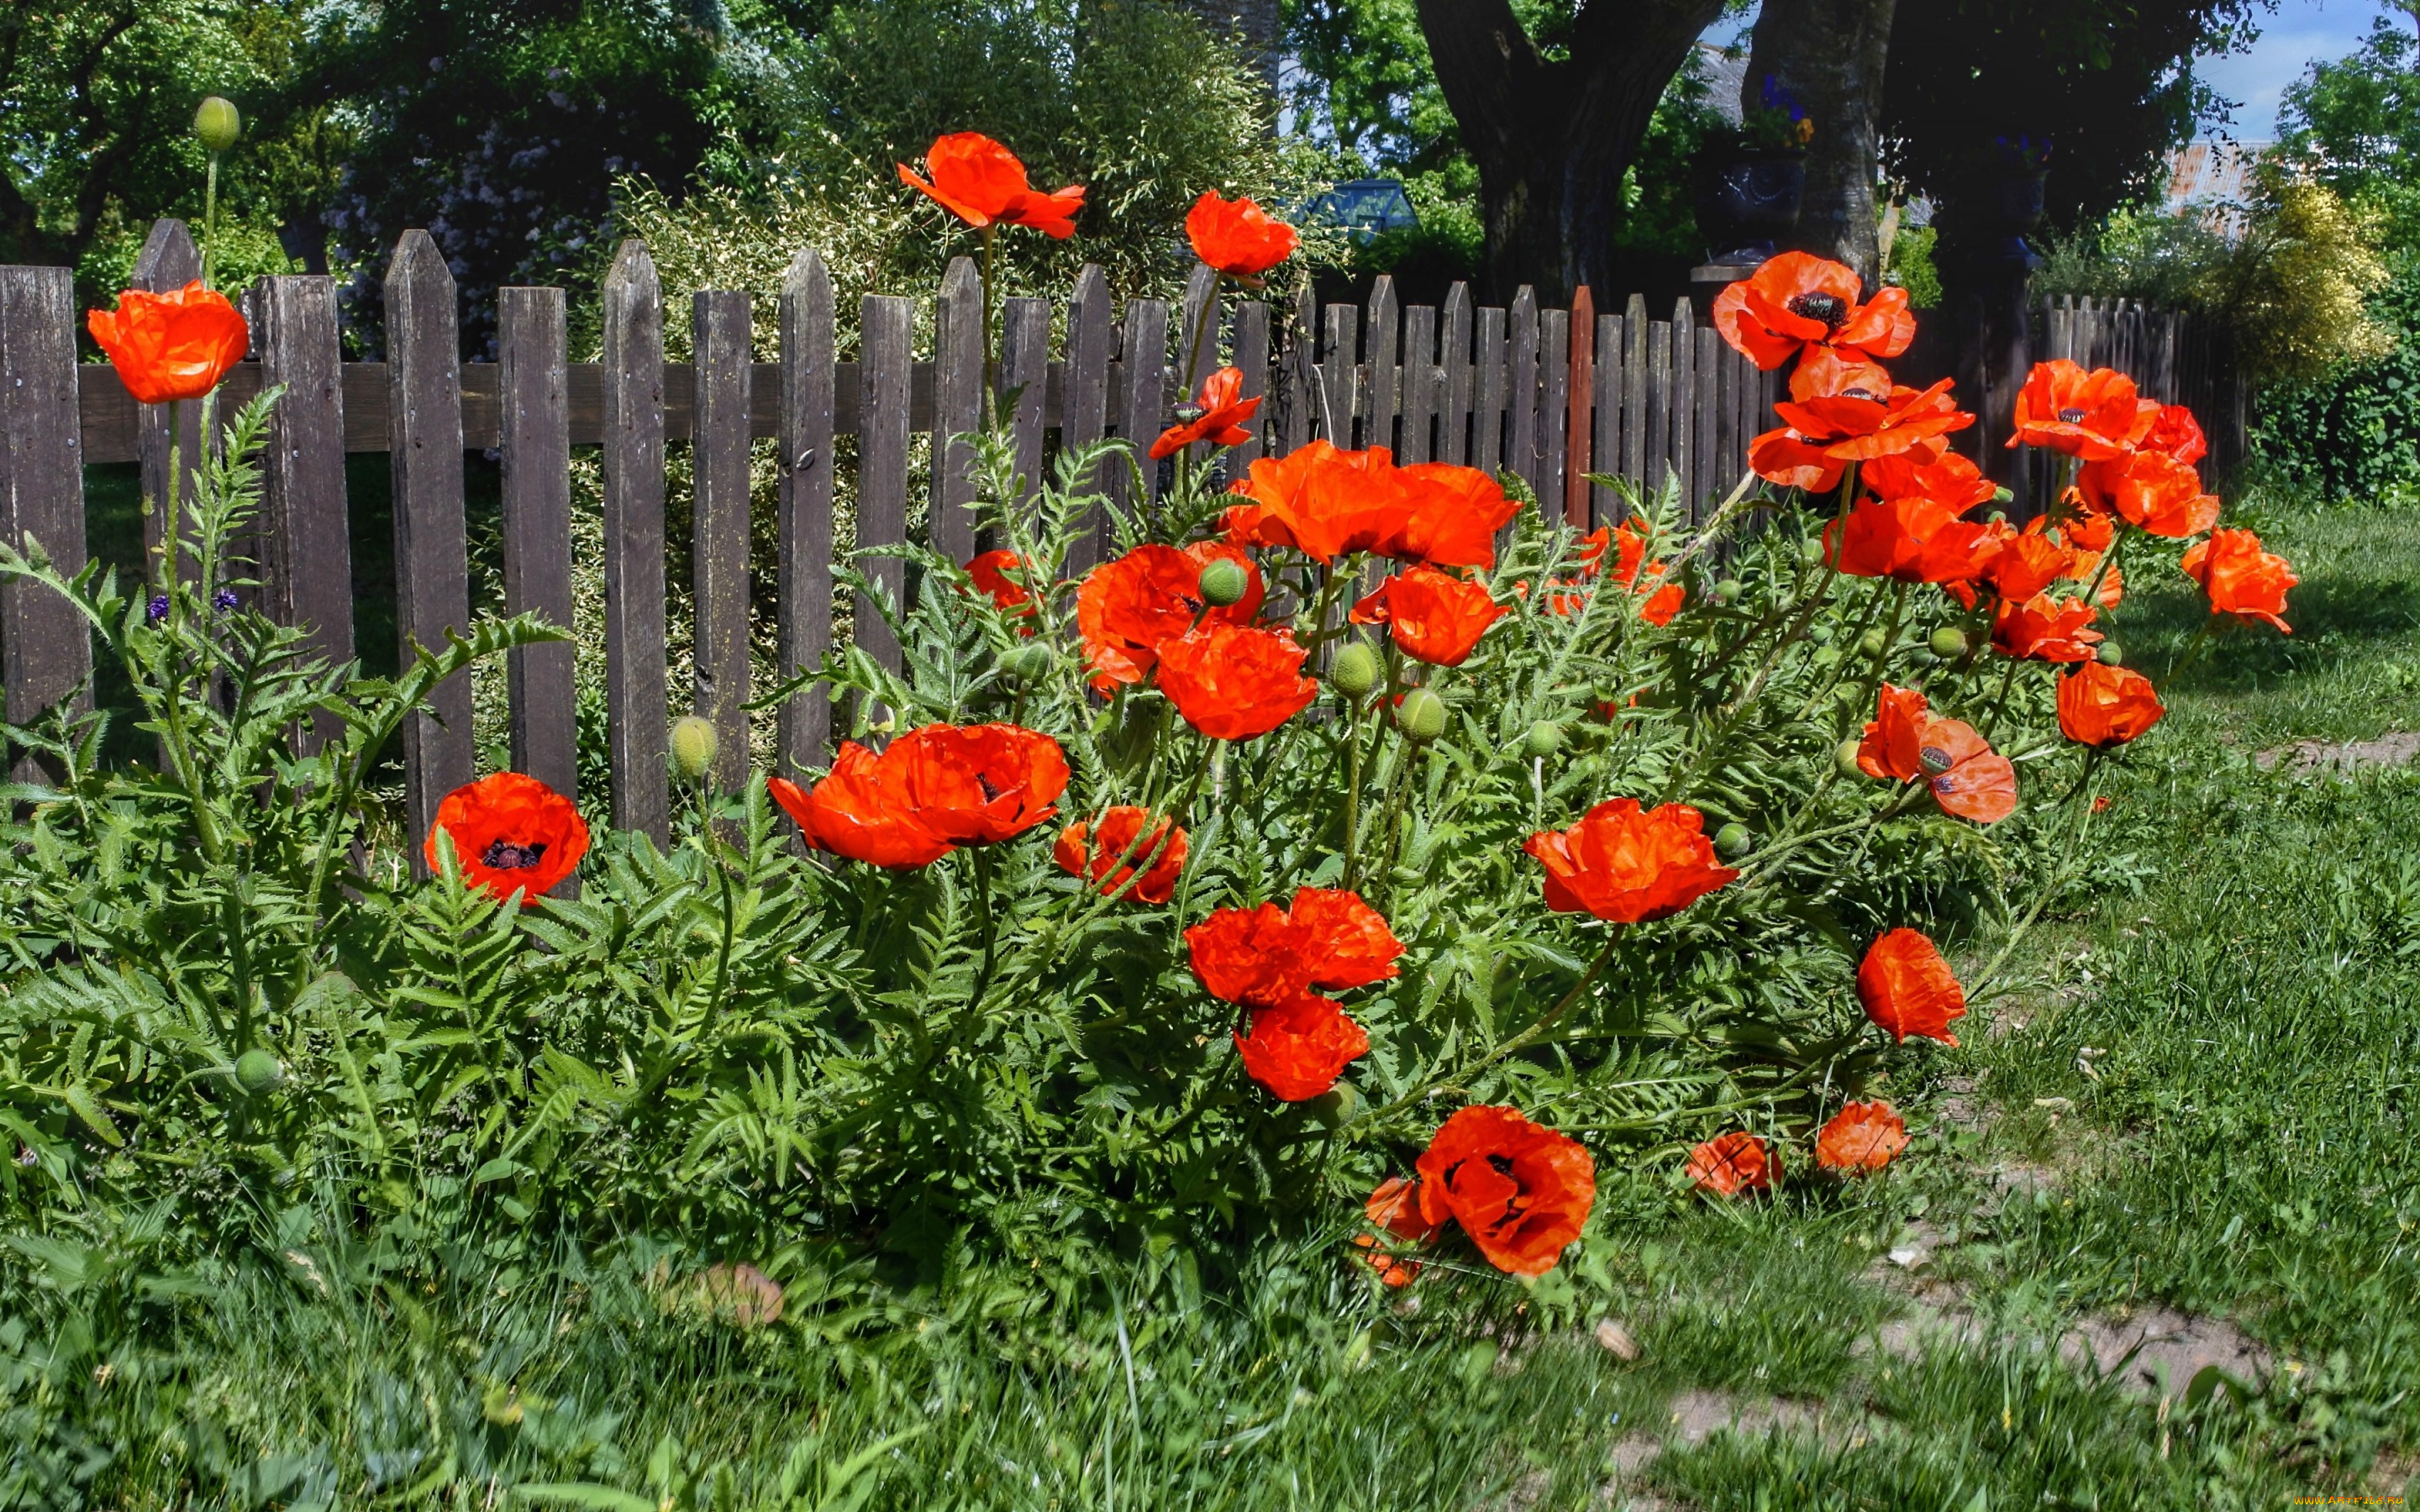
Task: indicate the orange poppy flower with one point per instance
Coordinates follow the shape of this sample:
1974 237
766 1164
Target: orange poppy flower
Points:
1327 938
1233 682
2029 561
854 812
1394 1209
2239 578
1568 595
1322 502
1798 301
511 833
2177 433
1906 742
1297 1048
168 346
1627 864
1907 988
1108 856
2042 628
2104 706
990 571
1237 237
1224 413
1823 372
983 183
1630 560
1128 608
1862 1136
931 790
2151 489
1859 427
1450 515
1945 479
2093 415
1910 539
1521 1190
1432 617
1728 1165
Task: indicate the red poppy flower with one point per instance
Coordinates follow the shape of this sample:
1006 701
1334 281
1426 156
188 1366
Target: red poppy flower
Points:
1945 479
2239 578
1233 682
1910 539
1798 301
1110 855
2029 561
2176 432
1522 1192
169 346
1629 865
1237 237
1824 373
1630 560
2093 415
1128 608
1567 595
1863 1137
2042 628
1908 989
2106 706
1224 413
932 789
1297 1048
854 813
1450 515
1906 742
1322 502
2152 490
982 183
1859 427
1728 1165
990 571
1327 938
511 834
1394 1209
1432 617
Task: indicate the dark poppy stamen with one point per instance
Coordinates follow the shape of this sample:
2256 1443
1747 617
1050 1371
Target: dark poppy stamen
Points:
2072 417
1829 308
1503 1163
504 856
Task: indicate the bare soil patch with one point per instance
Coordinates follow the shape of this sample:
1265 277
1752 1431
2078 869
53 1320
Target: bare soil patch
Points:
2394 749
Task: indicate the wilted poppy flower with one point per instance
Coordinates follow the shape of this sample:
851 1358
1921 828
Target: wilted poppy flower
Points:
1110 856
1906 742
2239 578
1907 988
1224 413
990 571
1237 237
1521 1190
1798 301
2042 628
1910 539
1432 617
932 789
1233 682
1627 864
2106 706
2151 489
2094 415
1863 1137
1327 938
1297 1048
511 834
982 183
1128 608
1450 515
1728 1165
1322 502
1394 1209
168 346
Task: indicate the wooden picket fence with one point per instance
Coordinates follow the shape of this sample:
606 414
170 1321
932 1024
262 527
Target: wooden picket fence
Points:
1551 395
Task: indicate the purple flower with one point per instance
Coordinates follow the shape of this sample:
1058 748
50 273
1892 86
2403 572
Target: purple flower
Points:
224 601
157 610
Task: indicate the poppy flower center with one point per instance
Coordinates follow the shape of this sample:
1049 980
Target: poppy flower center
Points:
2071 417
1935 760
504 856
1503 1163
1829 308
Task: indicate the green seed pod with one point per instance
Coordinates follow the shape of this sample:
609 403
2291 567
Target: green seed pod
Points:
1733 841
1355 671
1337 1106
1225 582
258 1074
2002 494
1820 635
1421 717
1873 642
1728 591
1845 758
1545 738
217 123
1028 664
1810 550
1949 642
1934 759
2109 654
693 747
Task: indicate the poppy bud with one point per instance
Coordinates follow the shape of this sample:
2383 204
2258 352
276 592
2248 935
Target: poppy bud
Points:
217 123
1810 551
694 746
2109 654
1997 516
2002 494
1337 1105
1873 642
1820 635
258 1073
1224 581
1949 642
1545 738
1421 717
1845 758
1728 591
1028 664
1733 841
1355 671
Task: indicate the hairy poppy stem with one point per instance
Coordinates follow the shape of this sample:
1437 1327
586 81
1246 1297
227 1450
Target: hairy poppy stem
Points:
2042 901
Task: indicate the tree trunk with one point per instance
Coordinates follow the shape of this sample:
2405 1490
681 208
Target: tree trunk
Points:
1552 137
1830 54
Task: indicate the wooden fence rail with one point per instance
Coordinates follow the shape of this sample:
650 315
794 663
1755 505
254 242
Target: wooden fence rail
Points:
1550 395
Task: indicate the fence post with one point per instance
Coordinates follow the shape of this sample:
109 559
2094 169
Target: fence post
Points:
958 338
1198 331
168 262
1340 374
1252 361
721 326
1553 409
432 566
1453 359
1297 375
1382 385
306 544
885 325
808 399
1579 435
1636 374
1521 389
635 698
534 415
1681 401
1707 405
1025 373
47 643
1488 403
1609 384
1423 379
1084 410
1145 399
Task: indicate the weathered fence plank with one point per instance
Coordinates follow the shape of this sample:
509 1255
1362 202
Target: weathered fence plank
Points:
958 377
1024 384
1252 360
307 567
1635 386
1422 385
1659 408
1144 354
635 700
168 262
1707 417
1453 356
1381 390
1091 335
1553 409
1340 374
1682 436
48 647
1521 389
532 348
720 328
805 528
885 325
1579 438
1610 385
1298 394
1488 399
